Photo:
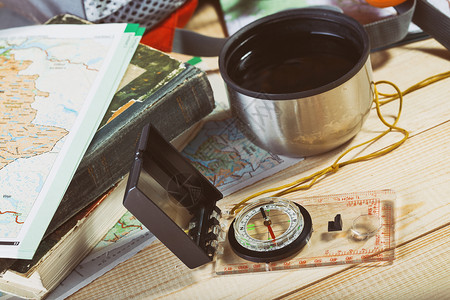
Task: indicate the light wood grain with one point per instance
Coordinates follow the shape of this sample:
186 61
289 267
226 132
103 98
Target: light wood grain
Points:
156 272
419 172
420 272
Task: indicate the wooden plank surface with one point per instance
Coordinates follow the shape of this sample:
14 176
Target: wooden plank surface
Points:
422 222
419 172
420 272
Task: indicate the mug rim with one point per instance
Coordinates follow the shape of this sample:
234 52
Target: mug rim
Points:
234 41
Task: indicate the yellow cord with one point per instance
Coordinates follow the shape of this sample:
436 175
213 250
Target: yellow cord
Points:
419 85
306 182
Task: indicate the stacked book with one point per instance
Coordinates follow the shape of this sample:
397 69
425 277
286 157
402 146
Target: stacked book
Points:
73 100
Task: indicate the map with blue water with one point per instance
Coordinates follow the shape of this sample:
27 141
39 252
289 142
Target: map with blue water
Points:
49 79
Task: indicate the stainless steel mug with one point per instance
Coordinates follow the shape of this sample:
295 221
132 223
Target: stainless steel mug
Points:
300 81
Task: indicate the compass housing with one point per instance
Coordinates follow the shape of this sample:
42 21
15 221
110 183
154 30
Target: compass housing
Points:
291 237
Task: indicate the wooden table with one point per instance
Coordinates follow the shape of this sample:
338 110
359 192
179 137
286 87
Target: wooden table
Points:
419 172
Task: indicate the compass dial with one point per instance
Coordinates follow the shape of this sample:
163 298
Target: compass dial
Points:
270 229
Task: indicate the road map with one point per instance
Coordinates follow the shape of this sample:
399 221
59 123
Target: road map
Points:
49 78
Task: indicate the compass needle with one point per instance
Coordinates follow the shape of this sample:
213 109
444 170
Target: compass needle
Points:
267 222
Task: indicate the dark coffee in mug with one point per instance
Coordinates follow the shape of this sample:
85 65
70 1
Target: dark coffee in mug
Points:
307 61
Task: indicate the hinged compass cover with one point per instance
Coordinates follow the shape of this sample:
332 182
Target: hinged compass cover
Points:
173 199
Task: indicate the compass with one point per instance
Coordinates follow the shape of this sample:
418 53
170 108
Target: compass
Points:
178 205
270 229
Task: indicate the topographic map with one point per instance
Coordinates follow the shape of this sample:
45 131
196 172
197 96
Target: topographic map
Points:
223 154
46 89
126 225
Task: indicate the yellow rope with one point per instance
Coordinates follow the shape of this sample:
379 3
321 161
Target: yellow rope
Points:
306 182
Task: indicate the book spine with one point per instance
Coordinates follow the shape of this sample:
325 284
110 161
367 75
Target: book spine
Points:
185 101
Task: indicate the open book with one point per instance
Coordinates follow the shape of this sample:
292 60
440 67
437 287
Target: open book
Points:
56 83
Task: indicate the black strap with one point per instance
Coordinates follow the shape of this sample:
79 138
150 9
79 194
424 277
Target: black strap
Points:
191 43
433 22
381 33
392 29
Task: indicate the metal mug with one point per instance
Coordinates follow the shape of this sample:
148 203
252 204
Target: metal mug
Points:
286 86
